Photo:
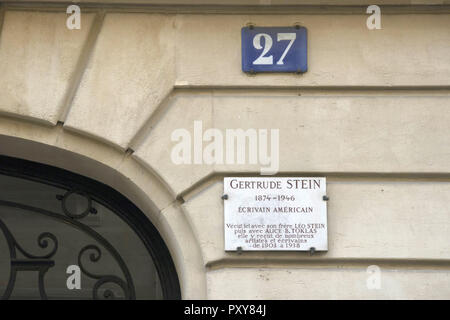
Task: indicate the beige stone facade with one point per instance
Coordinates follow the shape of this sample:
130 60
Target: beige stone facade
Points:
372 115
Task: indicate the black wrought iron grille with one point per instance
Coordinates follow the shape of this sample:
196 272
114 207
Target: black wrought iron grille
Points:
52 220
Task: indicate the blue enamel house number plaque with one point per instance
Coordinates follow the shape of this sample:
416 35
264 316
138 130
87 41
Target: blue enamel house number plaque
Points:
274 49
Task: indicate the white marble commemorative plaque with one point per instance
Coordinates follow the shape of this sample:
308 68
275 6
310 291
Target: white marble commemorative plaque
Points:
275 214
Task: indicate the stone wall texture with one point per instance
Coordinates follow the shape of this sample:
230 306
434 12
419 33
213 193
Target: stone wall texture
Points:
372 114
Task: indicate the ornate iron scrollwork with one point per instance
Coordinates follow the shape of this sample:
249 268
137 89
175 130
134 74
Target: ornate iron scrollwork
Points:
43 263
40 264
94 257
67 212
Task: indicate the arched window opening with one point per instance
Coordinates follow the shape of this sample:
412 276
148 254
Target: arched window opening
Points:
65 236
